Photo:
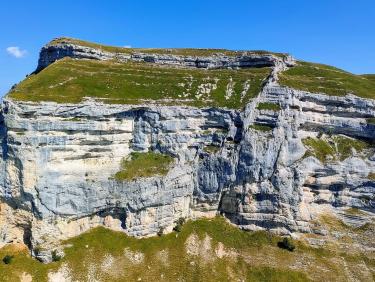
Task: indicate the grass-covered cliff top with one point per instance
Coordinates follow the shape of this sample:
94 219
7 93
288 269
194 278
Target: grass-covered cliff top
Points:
329 80
171 51
70 81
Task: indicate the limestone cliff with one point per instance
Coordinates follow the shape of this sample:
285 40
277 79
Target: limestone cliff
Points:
251 164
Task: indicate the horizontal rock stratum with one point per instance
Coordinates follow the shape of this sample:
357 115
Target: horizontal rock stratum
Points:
259 137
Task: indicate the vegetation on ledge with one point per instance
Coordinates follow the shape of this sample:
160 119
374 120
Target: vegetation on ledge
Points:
268 106
71 81
345 146
211 149
371 176
320 78
261 127
143 165
318 148
338 147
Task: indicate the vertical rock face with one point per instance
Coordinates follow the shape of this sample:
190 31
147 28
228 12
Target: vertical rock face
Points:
58 162
61 159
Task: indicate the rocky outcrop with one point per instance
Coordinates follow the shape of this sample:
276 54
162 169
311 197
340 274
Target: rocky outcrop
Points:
53 52
58 160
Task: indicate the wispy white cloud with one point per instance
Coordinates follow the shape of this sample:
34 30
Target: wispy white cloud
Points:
16 52
127 46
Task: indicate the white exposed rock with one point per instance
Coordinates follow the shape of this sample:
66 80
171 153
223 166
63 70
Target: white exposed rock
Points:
221 251
107 263
163 257
134 257
26 277
192 245
230 89
61 275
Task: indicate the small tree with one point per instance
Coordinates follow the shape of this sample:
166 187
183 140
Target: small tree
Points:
179 224
8 259
37 250
161 231
55 256
287 243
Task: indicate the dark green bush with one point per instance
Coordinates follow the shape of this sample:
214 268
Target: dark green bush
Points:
287 244
8 259
161 231
37 250
179 223
55 256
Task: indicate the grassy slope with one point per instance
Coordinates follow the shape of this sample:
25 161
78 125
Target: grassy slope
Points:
369 76
257 257
329 80
143 165
172 51
70 80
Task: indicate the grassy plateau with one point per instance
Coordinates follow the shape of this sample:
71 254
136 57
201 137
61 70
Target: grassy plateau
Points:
70 81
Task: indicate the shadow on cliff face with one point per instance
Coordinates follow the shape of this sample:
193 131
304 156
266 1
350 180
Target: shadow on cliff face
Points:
115 213
27 235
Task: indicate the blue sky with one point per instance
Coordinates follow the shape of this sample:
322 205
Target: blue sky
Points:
335 32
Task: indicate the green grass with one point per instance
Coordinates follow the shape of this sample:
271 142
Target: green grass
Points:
268 274
173 51
369 76
211 149
258 257
260 127
70 81
339 147
354 211
319 148
143 165
268 106
73 119
22 262
320 78
371 176
371 120
344 146
102 241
